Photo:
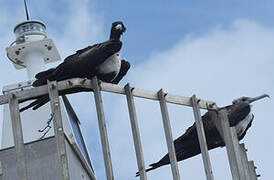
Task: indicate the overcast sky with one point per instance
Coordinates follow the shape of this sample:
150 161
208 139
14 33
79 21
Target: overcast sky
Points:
218 50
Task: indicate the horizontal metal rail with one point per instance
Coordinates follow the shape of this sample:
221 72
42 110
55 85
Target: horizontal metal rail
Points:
85 85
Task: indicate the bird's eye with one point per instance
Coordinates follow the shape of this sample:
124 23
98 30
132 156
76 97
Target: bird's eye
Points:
244 99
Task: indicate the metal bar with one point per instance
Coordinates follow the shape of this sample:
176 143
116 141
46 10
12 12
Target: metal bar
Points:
82 160
108 87
135 132
202 139
232 145
58 129
34 92
18 137
153 95
102 129
1 171
252 171
244 161
168 134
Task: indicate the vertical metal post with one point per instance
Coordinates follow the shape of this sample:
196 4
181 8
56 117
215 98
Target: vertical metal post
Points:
202 138
1 171
232 145
135 132
252 171
18 137
58 129
245 161
168 134
102 129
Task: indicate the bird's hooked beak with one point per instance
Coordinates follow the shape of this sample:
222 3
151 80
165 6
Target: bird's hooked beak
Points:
124 29
250 100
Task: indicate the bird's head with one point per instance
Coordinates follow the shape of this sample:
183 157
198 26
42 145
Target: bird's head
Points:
249 100
117 29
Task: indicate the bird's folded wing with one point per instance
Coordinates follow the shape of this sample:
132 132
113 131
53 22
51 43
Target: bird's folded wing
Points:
125 65
93 56
237 112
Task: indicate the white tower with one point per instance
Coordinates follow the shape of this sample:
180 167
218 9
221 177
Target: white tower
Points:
31 50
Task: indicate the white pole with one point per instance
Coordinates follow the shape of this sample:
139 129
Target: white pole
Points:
34 63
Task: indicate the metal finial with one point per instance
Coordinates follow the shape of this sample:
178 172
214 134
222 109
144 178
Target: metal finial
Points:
26 9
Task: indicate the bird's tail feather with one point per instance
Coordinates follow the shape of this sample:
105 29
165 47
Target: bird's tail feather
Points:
36 104
42 77
40 82
42 102
152 166
44 73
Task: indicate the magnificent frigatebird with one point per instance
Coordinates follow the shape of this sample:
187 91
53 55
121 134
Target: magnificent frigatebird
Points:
187 145
101 60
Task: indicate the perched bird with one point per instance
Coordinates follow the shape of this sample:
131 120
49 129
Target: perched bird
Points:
102 60
187 145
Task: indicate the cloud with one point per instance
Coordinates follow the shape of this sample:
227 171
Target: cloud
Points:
221 65
82 27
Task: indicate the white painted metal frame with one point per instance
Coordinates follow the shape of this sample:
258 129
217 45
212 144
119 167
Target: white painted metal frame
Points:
202 139
21 165
168 134
252 171
232 146
236 153
58 129
102 129
107 87
1 171
135 132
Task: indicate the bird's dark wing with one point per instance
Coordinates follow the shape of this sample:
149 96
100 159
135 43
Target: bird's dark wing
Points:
125 65
94 55
70 63
212 135
82 64
37 103
187 145
80 51
237 112
44 73
248 126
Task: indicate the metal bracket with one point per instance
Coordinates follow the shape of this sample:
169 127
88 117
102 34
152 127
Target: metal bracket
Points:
45 46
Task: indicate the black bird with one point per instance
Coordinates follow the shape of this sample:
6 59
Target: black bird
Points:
101 60
187 145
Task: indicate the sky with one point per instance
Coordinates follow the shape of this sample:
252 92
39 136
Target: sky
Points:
218 50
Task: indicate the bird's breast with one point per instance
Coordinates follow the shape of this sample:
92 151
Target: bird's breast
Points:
242 125
111 65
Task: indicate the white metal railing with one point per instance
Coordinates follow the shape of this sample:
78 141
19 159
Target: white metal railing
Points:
241 168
